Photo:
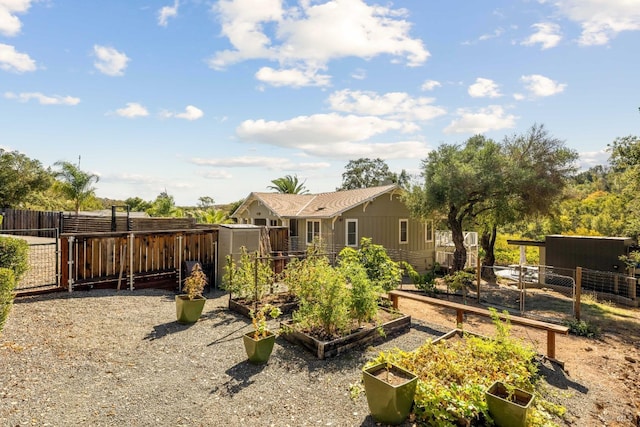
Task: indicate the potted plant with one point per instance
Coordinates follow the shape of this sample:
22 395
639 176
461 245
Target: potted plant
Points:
390 390
508 405
190 304
259 343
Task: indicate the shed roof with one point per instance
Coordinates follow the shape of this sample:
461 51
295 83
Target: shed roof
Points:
322 205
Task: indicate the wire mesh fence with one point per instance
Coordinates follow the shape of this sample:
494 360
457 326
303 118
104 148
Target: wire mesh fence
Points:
610 286
539 292
43 258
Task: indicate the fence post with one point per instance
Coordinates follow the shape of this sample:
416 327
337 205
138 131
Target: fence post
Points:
478 276
632 287
131 254
70 263
576 303
255 284
180 263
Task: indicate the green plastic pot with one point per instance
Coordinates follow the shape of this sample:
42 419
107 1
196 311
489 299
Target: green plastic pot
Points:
258 350
389 403
189 311
508 409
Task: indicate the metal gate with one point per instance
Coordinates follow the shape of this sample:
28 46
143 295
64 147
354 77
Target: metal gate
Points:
535 291
43 258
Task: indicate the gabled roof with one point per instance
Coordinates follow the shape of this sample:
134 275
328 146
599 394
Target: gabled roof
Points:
322 205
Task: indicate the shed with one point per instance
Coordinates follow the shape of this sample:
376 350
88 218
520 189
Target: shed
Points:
593 252
231 238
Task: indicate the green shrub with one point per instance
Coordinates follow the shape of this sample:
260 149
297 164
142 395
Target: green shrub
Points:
246 280
454 374
382 270
583 328
7 285
14 255
364 295
425 282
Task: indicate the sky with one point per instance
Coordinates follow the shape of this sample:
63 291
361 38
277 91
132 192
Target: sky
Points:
218 98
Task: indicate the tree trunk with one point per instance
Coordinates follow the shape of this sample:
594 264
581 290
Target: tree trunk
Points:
488 243
457 234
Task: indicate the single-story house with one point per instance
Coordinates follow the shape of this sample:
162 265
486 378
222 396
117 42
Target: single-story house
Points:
342 218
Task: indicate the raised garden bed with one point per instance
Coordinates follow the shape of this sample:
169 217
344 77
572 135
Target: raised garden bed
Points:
361 337
284 301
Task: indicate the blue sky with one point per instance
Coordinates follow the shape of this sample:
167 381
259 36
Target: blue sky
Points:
218 98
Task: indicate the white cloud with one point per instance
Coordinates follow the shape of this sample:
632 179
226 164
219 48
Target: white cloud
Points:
190 113
538 85
398 105
333 135
483 120
430 85
10 25
601 20
43 99
484 88
167 12
216 174
311 35
277 163
110 61
548 35
359 74
292 77
496 33
593 158
12 60
132 110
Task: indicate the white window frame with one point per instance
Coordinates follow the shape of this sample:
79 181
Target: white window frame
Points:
406 231
428 226
314 235
346 233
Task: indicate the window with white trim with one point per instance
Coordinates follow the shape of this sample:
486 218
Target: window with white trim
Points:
351 230
428 231
404 231
313 230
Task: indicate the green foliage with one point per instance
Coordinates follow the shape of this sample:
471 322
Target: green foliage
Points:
510 254
583 328
331 299
259 319
381 270
14 255
75 183
249 279
136 204
288 185
453 375
195 283
425 282
459 281
20 177
7 285
365 173
165 206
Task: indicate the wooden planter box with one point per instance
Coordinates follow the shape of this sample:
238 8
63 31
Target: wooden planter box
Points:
244 309
362 337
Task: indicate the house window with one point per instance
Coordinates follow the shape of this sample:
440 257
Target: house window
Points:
428 231
293 227
404 231
313 230
351 238
259 221
273 222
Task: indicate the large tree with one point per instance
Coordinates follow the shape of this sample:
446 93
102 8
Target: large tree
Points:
458 180
365 173
20 177
165 206
288 185
75 183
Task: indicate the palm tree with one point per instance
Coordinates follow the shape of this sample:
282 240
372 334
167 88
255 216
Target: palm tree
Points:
288 185
75 183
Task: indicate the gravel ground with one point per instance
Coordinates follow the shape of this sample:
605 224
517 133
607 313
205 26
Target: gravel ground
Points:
107 358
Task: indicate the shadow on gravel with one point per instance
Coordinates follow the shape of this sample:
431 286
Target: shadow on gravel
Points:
555 376
241 377
161 331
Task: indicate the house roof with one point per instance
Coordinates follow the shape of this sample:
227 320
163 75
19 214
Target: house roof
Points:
322 205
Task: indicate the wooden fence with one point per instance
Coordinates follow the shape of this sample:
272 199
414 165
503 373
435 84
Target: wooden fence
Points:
124 258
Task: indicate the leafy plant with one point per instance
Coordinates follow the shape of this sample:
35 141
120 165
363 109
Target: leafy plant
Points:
7 285
381 270
259 319
425 282
194 284
583 328
364 294
250 279
460 280
454 374
14 255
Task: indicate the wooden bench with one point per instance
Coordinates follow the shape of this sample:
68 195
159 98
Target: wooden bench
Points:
461 309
